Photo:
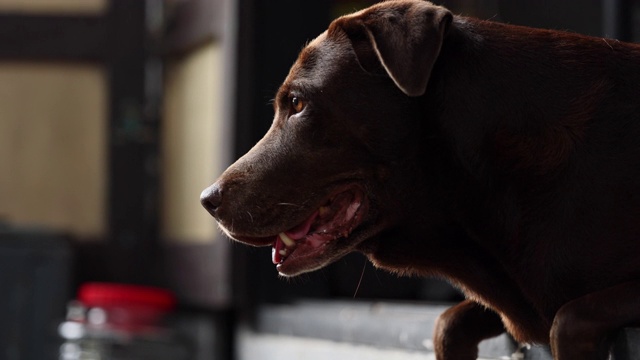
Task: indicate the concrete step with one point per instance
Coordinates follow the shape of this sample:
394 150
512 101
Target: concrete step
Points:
372 330
254 346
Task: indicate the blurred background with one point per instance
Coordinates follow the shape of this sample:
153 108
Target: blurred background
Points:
115 115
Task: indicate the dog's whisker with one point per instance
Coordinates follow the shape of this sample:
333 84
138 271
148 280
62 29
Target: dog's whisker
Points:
606 42
287 204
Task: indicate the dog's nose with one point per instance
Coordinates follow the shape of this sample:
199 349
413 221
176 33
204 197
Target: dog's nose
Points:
211 198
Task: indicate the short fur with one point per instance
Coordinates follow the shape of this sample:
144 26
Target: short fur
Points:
503 158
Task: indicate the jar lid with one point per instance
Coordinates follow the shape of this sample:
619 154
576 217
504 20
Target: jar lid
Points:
111 294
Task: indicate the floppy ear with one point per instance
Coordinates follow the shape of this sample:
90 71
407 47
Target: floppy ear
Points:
405 36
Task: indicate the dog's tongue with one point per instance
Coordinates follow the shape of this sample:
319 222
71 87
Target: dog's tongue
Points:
286 240
302 230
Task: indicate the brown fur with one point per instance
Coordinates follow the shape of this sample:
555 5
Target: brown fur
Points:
507 161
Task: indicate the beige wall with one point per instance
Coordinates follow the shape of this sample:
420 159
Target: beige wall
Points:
53 6
52 146
193 138
52 136
53 139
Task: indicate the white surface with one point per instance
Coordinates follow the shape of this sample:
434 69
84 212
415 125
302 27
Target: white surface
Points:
252 346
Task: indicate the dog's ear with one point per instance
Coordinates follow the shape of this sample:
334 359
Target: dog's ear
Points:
404 36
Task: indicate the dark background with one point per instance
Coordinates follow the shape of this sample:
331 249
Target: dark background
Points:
269 36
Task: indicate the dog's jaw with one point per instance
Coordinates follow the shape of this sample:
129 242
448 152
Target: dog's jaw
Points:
323 237
320 238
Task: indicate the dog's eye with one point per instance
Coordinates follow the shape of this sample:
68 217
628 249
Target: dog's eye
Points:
297 104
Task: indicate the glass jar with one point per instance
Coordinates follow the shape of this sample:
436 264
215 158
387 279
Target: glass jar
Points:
120 322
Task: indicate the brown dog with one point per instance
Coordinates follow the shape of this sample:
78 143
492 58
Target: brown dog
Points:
504 158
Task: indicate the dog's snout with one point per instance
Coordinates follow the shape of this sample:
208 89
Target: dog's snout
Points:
211 198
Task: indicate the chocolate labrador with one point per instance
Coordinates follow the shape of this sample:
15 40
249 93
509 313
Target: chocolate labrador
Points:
503 158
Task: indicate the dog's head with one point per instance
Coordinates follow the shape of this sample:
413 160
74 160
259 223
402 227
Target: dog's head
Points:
323 179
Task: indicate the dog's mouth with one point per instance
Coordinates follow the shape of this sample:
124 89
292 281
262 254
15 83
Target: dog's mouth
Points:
314 242
334 220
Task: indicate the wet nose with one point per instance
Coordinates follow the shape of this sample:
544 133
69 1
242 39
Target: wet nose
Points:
211 198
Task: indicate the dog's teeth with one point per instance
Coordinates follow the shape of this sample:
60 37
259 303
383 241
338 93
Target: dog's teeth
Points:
286 239
283 252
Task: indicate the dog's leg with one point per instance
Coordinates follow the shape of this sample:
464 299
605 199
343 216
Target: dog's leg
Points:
582 328
460 329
